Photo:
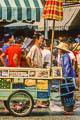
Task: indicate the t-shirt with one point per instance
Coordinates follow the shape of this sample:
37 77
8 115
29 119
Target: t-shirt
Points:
66 65
11 51
3 49
78 58
46 56
71 55
75 54
36 56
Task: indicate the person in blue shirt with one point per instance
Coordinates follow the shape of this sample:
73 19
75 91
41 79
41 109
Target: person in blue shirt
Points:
65 62
67 90
78 38
8 40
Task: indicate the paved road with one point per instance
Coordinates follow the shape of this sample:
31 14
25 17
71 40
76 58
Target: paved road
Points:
44 114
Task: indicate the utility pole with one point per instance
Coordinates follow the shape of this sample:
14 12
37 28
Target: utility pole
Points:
45 23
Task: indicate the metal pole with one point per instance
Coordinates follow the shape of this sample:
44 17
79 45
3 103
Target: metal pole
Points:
45 23
52 43
46 29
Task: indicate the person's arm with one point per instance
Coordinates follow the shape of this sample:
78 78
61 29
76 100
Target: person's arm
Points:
74 62
15 59
2 59
58 61
29 61
30 56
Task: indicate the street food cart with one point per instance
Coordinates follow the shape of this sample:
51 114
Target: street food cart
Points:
18 96
15 90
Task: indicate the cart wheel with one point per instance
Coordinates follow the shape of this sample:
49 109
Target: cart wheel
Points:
20 103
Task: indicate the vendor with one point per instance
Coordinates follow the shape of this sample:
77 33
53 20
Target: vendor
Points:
67 69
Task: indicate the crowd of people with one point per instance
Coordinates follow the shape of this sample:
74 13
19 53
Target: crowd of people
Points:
32 50
35 52
74 55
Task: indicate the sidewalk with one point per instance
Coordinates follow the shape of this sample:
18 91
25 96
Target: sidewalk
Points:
77 95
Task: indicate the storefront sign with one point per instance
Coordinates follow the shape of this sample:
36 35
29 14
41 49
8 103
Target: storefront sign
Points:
71 1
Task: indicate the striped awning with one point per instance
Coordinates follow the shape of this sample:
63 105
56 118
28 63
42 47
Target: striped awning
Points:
28 10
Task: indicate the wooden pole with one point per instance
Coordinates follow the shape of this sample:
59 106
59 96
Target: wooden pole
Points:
52 44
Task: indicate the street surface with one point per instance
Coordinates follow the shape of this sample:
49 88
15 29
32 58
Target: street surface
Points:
43 114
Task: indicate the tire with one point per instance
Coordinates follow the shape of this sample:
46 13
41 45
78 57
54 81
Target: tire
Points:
20 103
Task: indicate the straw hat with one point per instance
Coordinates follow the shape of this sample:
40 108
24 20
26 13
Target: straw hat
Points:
78 48
63 46
75 46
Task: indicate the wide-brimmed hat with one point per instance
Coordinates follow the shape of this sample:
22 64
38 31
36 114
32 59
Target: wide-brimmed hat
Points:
78 48
75 46
63 46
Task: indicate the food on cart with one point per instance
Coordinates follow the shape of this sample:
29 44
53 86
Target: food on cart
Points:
30 82
13 74
23 74
5 73
42 84
8 80
43 74
4 83
18 80
32 74
57 73
18 74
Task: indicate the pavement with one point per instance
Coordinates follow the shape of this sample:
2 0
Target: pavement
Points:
52 113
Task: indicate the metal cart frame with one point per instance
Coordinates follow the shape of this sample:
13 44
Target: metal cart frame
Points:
14 92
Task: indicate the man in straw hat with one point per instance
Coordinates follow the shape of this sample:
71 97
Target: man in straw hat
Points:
64 56
68 74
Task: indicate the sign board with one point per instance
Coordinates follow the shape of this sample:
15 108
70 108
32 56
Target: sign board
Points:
72 1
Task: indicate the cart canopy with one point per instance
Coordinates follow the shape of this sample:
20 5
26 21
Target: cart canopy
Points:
28 10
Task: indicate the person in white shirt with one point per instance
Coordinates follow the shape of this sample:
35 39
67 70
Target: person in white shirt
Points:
46 54
34 57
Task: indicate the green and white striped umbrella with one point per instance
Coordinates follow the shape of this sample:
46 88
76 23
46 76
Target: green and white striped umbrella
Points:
20 10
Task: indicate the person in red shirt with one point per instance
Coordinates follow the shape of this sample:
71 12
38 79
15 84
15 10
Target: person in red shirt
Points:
14 54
